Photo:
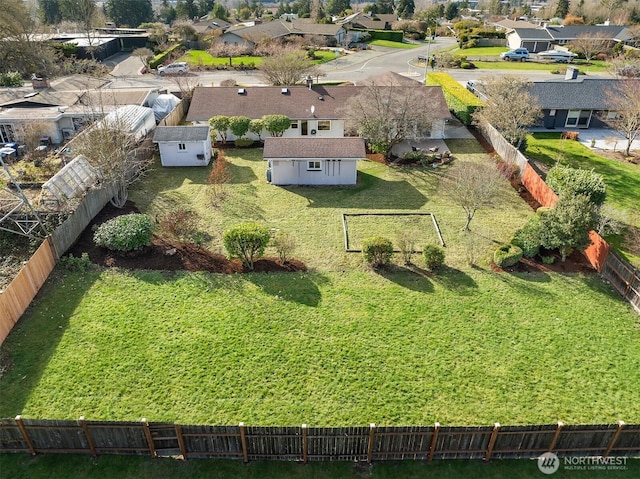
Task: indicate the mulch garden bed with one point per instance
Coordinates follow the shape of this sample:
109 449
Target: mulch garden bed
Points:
167 254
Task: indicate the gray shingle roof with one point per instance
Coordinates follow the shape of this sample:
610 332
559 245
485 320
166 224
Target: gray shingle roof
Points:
533 34
581 94
181 133
571 32
314 148
256 102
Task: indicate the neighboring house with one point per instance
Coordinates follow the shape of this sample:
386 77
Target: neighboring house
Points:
508 24
64 108
368 21
205 27
313 161
314 112
541 39
183 145
139 121
250 36
575 103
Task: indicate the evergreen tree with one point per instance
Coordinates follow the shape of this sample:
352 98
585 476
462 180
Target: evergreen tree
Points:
129 12
49 11
451 11
336 7
406 8
562 9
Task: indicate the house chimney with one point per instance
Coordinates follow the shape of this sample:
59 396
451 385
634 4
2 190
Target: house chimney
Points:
572 73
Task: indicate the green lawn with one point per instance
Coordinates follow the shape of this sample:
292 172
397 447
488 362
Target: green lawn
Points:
339 345
313 215
204 58
20 466
390 44
479 51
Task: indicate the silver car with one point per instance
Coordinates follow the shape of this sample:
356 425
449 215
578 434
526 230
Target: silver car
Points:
173 68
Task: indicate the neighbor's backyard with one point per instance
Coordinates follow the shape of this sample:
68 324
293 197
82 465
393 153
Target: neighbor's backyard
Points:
339 344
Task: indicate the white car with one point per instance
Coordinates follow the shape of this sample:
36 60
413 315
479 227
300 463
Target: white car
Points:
560 56
173 68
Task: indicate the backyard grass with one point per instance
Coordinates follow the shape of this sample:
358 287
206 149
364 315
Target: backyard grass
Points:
21 466
550 67
326 348
313 214
391 44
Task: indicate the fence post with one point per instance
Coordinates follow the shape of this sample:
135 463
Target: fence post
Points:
614 439
243 442
87 435
492 441
147 433
183 449
372 431
304 444
434 439
25 435
555 436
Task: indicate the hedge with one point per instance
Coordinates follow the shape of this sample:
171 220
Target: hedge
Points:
390 35
459 100
161 57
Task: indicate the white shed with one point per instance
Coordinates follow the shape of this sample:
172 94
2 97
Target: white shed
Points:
183 145
313 161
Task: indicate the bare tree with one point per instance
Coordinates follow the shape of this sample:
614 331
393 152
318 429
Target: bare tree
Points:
110 145
289 66
186 83
589 45
625 102
145 55
386 115
510 107
472 186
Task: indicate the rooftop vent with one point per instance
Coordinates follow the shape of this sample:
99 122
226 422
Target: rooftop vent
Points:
321 98
242 91
284 91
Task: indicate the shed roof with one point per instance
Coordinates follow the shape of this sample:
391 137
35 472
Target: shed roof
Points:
181 133
339 148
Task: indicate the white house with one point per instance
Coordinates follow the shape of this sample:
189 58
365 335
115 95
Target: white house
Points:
313 161
183 145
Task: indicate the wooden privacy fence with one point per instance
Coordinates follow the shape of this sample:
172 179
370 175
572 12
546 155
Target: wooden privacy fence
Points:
177 114
304 443
624 277
24 287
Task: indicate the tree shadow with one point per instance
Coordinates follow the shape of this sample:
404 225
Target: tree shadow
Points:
370 192
240 174
301 288
410 277
455 280
34 339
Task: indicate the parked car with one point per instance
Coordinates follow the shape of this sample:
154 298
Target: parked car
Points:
518 54
173 68
559 56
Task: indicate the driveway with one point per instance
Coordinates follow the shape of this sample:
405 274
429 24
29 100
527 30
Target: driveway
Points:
606 140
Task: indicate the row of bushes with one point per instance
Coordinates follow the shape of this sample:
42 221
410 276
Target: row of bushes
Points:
460 101
160 58
390 35
378 250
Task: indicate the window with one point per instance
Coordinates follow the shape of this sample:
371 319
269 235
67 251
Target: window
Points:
572 117
294 125
6 133
313 166
552 113
612 115
182 147
324 125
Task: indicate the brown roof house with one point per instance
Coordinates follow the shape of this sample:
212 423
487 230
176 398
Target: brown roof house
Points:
251 35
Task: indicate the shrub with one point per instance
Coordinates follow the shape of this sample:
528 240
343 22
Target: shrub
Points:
570 135
433 256
507 255
377 251
527 238
10 79
548 259
243 142
161 57
125 233
573 181
80 264
406 240
246 241
180 223
508 169
284 244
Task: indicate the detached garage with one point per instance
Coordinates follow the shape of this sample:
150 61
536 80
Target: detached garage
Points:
313 161
183 145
